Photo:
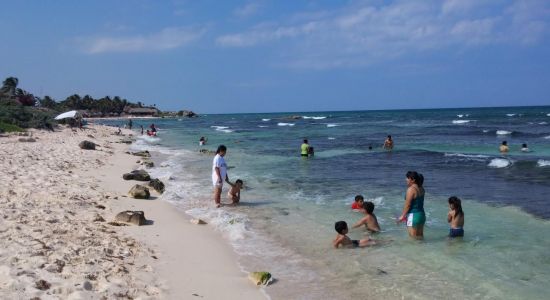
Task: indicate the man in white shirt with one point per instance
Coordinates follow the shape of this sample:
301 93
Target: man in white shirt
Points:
219 173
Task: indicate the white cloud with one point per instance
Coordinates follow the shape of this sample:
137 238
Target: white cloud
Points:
363 33
166 39
248 10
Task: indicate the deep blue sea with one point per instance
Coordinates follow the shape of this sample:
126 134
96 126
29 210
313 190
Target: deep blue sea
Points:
285 224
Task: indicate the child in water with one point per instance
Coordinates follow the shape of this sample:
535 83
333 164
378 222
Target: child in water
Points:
234 192
369 220
358 203
455 217
343 240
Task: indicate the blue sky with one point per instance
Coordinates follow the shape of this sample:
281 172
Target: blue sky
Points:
268 55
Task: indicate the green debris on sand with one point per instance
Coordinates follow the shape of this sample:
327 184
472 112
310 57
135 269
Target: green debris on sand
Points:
260 278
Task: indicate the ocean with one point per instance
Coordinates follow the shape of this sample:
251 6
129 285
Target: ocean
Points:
285 223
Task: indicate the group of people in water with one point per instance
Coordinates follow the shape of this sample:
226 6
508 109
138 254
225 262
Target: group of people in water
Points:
413 215
503 148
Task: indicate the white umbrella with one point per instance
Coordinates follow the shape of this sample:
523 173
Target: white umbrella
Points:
70 114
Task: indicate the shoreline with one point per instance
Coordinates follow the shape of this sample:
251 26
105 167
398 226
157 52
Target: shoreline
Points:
57 242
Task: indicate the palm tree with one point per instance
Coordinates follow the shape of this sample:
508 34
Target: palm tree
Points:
9 85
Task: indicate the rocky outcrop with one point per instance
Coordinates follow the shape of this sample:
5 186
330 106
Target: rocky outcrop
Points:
131 217
187 113
87 145
148 163
198 222
142 153
139 175
139 192
157 185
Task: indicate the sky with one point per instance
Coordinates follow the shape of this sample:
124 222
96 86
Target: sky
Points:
216 56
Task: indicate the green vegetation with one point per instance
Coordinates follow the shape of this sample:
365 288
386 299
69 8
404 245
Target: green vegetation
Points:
23 110
4 127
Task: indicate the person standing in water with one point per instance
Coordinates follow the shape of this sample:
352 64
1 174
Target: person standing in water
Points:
388 143
503 147
304 148
219 173
413 209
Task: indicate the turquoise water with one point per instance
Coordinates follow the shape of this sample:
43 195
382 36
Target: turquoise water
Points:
286 221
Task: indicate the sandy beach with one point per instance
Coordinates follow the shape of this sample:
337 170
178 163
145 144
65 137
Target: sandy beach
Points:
57 201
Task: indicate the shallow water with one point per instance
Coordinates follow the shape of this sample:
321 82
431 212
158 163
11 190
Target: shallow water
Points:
286 221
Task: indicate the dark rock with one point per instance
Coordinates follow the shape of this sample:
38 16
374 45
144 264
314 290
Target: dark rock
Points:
87 285
100 206
42 285
90 136
27 140
139 175
98 218
148 164
139 192
132 217
87 145
142 153
157 185
206 151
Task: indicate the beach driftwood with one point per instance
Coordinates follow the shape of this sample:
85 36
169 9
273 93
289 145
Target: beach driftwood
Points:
139 175
157 185
87 145
139 192
131 217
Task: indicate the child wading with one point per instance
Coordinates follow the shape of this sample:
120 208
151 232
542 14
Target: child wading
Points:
369 220
455 217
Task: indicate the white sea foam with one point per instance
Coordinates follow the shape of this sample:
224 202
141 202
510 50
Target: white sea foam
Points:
543 123
461 121
266 120
466 155
510 115
547 137
262 126
180 119
219 127
331 138
548 115
543 163
499 163
332 125
285 124
314 118
460 116
503 132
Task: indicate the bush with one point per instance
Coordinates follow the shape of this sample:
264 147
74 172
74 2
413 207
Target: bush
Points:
4 127
25 117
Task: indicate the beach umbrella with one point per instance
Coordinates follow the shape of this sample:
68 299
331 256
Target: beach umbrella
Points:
70 114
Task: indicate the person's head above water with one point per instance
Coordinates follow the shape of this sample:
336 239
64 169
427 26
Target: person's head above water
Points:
415 177
369 207
504 143
239 181
305 141
221 150
389 137
524 145
456 204
359 198
341 227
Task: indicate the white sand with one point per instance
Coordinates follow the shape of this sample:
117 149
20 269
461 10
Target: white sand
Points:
49 190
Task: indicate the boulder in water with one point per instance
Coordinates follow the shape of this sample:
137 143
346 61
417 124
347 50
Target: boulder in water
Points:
87 145
142 153
260 278
139 192
131 217
157 185
148 164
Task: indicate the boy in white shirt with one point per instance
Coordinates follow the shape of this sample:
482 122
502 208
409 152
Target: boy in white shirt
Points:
219 173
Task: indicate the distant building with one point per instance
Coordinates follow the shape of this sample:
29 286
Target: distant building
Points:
141 111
